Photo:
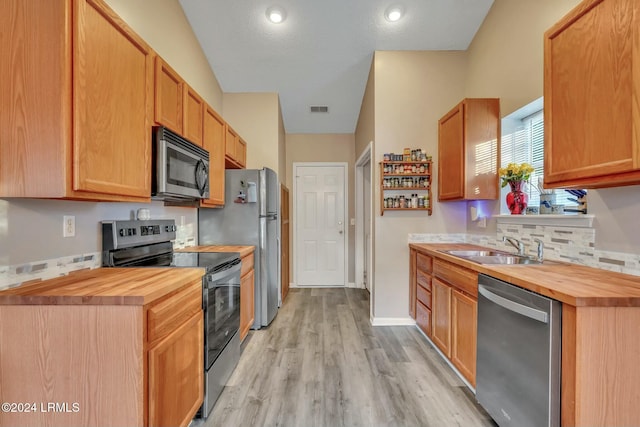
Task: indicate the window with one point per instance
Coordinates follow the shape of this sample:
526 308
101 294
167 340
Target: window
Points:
523 141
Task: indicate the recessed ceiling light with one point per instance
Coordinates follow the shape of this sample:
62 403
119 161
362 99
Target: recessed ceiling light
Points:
394 13
276 14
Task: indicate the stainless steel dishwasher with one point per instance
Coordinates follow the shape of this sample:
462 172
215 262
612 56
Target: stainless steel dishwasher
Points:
518 357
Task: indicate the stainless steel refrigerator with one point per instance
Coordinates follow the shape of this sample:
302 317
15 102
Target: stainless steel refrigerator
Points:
251 216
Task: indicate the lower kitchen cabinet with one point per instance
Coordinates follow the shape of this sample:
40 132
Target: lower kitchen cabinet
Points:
464 325
247 286
443 297
423 318
111 360
441 333
176 372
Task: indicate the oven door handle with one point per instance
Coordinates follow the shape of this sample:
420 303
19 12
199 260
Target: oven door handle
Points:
510 305
231 271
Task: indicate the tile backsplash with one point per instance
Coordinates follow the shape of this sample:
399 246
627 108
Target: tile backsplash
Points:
569 244
16 275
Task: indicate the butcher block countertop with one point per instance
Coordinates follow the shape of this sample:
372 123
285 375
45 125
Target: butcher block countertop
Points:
243 250
571 284
104 286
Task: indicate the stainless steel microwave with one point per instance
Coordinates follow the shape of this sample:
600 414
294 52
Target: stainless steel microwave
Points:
180 167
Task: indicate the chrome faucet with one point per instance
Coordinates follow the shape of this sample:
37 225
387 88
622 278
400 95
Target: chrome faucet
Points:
540 248
518 244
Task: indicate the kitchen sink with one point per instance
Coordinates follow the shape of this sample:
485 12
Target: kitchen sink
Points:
476 253
503 259
493 257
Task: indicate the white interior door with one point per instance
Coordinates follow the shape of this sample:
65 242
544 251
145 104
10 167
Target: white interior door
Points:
320 225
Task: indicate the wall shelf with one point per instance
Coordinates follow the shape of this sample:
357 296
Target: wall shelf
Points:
397 178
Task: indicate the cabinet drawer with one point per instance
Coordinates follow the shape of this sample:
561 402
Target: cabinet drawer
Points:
423 279
459 277
247 264
424 296
423 318
165 317
423 262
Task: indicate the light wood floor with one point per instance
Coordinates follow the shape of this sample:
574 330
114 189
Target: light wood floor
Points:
321 363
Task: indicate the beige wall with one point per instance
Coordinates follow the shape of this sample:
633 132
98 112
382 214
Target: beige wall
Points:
412 91
323 148
365 128
164 26
506 55
255 116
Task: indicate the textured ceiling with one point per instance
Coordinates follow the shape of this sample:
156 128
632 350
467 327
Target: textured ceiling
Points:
321 53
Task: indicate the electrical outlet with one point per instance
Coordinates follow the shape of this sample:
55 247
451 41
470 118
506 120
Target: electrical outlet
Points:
69 226
482 222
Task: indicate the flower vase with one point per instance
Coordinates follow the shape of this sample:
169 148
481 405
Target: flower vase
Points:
516 199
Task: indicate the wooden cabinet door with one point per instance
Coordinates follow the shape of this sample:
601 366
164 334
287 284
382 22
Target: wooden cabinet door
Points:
235 150
481 148
213 142
451 154
168 98
35 91
176 375
423 318
441 316
247 308
112 102
591 90
464 315
241 153
193 115
413 280
230 143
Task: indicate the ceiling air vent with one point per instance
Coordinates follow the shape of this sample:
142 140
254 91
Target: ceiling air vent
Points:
319 109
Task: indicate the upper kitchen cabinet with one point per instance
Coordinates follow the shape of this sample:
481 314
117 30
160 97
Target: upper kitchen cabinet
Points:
468 153
235 150
177 106
592 96
193 115
214 142
76 103
168 97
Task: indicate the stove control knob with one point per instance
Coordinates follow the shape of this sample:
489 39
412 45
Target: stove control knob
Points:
122 232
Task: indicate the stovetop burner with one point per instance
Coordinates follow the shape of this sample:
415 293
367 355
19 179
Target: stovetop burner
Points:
211 261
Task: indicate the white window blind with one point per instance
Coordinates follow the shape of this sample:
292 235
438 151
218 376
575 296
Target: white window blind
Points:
525 143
